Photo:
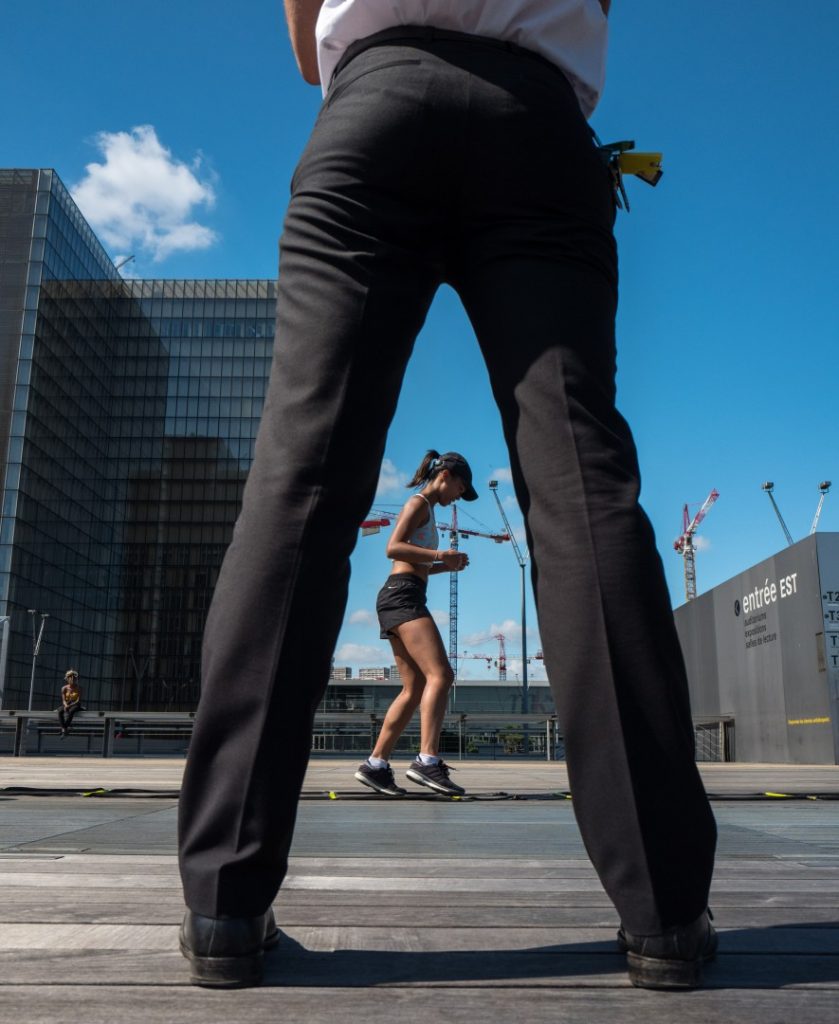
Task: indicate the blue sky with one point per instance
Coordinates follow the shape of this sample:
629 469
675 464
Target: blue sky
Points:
728 317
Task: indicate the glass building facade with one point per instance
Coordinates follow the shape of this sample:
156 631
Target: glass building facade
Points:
128 413
184 438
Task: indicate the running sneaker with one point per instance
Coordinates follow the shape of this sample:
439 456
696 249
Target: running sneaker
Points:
380 779
435 776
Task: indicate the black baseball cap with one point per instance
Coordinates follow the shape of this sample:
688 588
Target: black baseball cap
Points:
456 464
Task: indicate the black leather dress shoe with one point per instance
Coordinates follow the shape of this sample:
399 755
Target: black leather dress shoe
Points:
226 952
671 959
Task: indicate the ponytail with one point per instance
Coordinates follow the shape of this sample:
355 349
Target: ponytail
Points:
425 470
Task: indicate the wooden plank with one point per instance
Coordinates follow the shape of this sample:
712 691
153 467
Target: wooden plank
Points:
756 869
330 914
27 1004
397 938
32 905
524 970
454 887
494 897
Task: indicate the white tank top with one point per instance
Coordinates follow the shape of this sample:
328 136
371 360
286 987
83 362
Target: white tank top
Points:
571 33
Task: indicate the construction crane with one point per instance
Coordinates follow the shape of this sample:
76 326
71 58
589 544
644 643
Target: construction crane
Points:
684 543
501 661
370 526
502 655
455 532
521 559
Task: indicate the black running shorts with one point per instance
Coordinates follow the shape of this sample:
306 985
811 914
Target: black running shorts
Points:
401 599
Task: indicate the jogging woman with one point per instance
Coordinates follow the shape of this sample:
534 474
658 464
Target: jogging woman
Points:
405 620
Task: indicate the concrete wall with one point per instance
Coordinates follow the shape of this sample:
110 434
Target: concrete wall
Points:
763 647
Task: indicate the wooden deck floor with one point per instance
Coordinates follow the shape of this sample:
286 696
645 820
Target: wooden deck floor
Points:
412 910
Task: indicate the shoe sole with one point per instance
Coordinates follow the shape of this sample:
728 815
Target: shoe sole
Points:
228 971
387 792
421 780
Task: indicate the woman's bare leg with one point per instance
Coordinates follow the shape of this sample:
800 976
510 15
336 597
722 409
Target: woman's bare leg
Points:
404 705
423 644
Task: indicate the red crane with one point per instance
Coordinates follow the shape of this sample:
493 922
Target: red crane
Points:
373 526
502 655
501 661
684 543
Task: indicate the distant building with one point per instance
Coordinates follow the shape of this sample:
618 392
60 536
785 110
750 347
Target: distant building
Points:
469 696
394 673
374 673
341 672
762 655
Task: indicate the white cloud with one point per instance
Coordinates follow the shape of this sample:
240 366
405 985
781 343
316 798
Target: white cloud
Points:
535 669
362 655
390 478
141 198
440 616
509 628
701 543
362 617
503 476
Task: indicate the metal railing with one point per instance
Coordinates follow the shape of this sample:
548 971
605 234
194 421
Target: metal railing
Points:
352 732
488 735
100 729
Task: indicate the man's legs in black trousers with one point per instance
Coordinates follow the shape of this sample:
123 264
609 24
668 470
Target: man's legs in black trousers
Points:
611 649
476 168
355 283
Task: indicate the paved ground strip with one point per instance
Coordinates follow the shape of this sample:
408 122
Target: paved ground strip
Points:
406 909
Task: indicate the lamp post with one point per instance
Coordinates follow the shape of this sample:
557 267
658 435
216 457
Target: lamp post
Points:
5 626
36 647
522 560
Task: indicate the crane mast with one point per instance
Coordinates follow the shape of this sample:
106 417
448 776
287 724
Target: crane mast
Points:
522 562
453 543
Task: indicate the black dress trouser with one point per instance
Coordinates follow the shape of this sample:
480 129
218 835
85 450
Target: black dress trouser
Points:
441 158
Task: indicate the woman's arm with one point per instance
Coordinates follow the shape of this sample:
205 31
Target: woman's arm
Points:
301 17
441 566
